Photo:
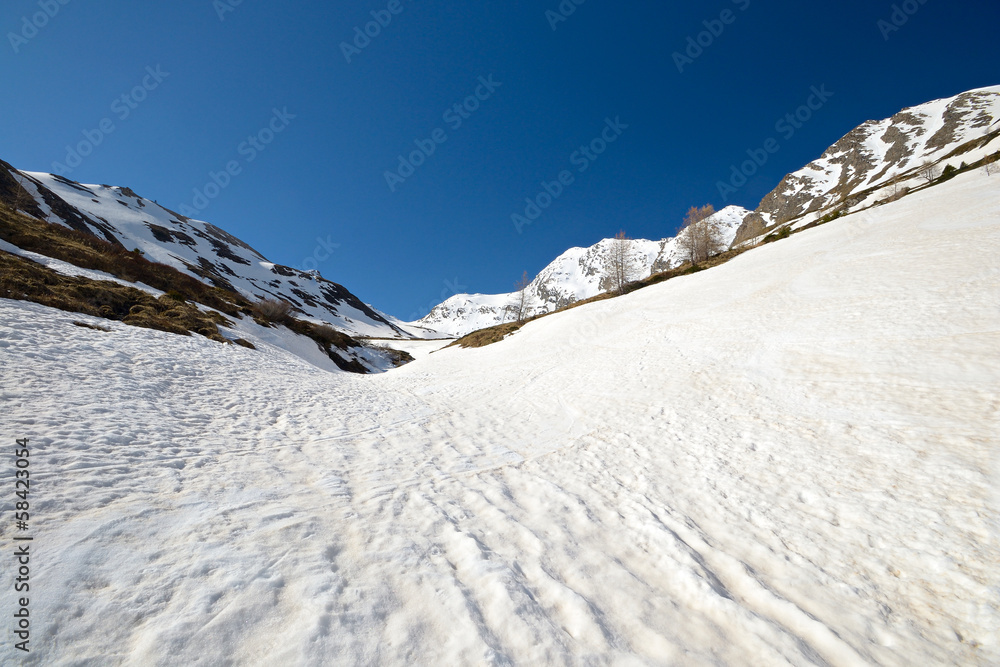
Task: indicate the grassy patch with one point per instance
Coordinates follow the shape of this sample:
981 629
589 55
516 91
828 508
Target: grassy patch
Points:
90 252
176 311
272 310
488 336
398 357
23 279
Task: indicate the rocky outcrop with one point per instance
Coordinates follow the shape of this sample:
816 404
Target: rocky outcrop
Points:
876 155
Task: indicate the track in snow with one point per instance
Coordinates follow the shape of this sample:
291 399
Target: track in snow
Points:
790 459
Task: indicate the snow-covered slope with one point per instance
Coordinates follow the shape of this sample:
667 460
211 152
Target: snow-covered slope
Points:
197 248
878 159
579 273
790 459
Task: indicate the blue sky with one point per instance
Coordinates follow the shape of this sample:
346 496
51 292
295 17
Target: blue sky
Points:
225 69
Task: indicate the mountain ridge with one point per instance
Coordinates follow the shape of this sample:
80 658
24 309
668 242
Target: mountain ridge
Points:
878 161
878 155
198 248
577 274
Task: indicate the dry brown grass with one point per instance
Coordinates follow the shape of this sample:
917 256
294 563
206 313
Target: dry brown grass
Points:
90 326
25 280
273 310
90 252
489 335
176 311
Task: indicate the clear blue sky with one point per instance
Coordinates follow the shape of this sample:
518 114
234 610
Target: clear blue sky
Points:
324 174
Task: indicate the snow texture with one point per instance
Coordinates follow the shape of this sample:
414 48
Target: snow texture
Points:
788 459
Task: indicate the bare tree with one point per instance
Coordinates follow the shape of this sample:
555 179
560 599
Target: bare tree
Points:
895 190
519 307
619 263
700 236
992 168
929 171
895 185
21 191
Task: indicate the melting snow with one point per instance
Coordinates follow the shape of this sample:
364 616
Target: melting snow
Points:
788 459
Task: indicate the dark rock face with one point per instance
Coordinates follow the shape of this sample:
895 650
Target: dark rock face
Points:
164 235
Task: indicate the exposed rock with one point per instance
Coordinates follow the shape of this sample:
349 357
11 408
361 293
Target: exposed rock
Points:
198 248
876 155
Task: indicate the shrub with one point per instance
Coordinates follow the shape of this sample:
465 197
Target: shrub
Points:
829 217
327 335
782 233
273 310
895 196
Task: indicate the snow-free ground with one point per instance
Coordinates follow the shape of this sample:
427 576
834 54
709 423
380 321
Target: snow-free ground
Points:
788 459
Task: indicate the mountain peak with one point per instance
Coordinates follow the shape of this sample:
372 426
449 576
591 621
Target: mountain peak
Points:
200 249
879 154
575 275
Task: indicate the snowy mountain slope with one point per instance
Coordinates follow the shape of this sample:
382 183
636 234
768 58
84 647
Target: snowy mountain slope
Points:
195 247
878 158
789 459
575 275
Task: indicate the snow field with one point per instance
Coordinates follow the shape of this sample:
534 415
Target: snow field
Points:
788 459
